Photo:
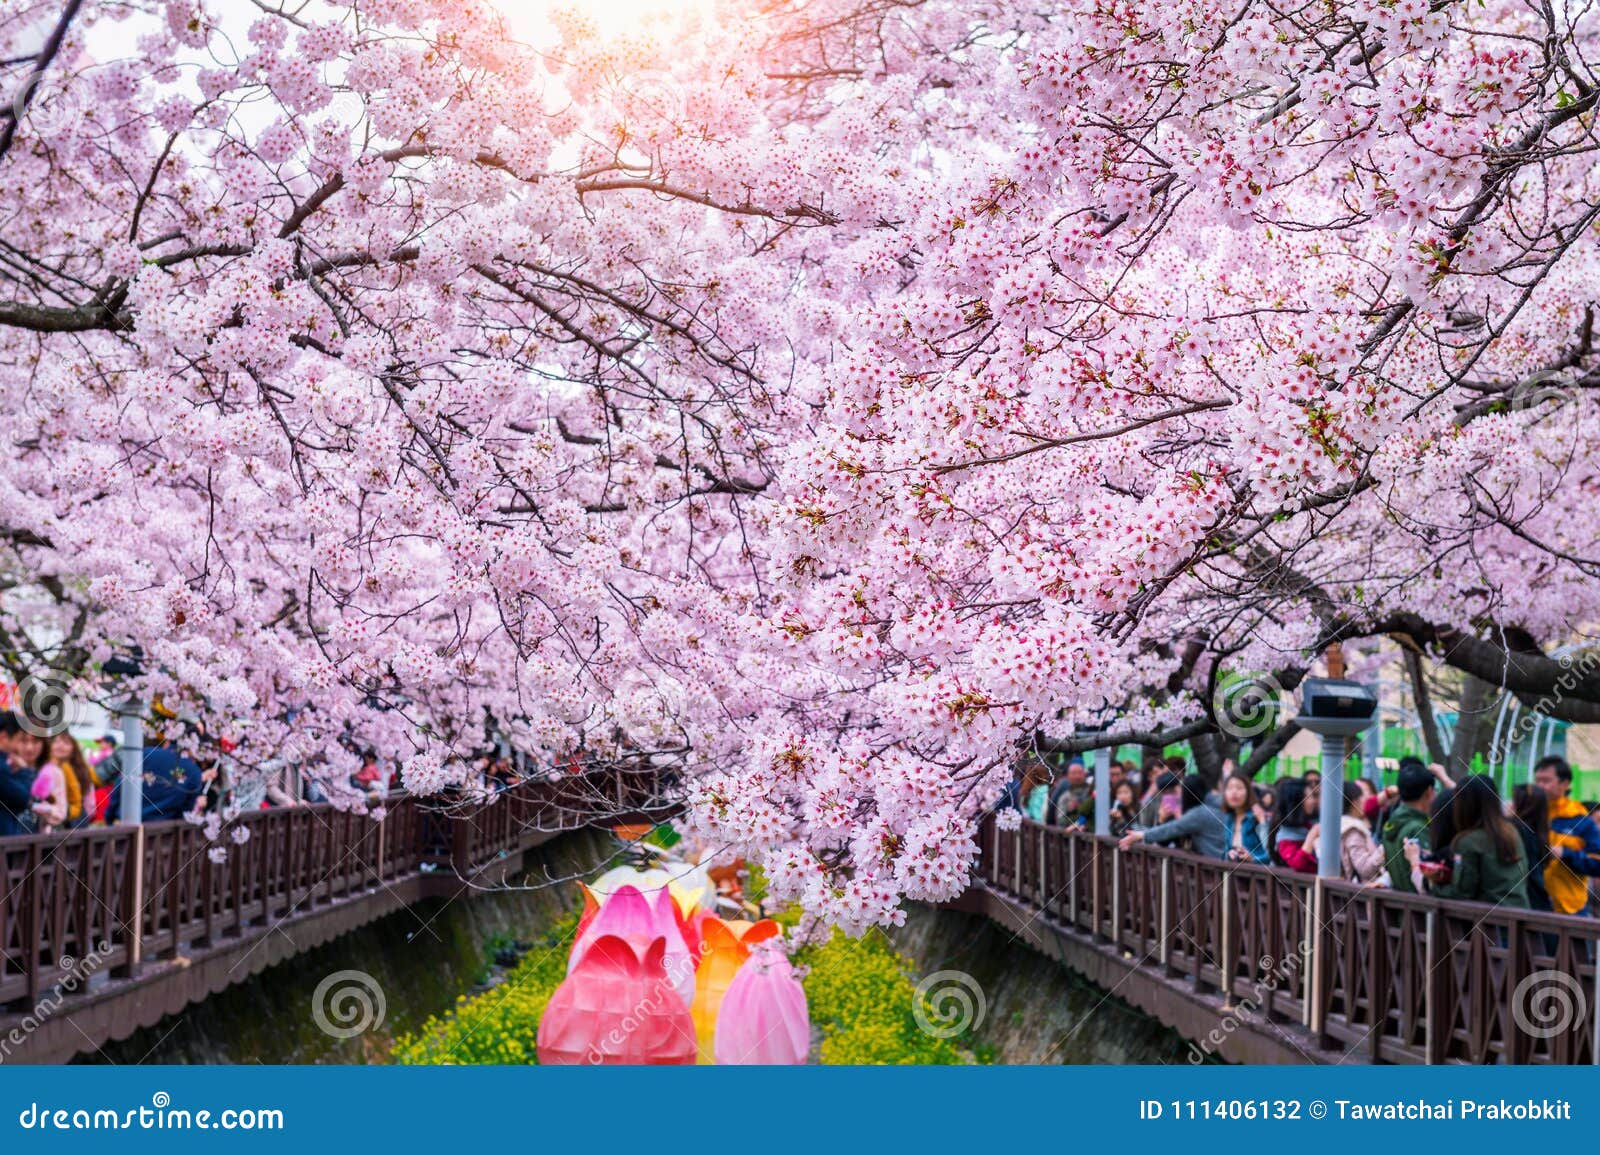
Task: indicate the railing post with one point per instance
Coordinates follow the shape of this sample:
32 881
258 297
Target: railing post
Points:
133 908
1097 907
1309 947
1116 895
461 845
383 839
1044 874
1016 865
1165 915
1429 1007
1072 880
32 910
1318 959
1225 961
1594 1004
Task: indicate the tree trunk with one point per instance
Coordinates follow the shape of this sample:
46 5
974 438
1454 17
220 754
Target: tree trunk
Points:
1424 703
1477 697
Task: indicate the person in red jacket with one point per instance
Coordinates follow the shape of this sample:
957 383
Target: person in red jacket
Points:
1296 813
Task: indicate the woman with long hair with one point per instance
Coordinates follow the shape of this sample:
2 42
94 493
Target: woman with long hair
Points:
1239 813
1292 820
1124 808
1360 858
1488 863
1034 792
1530 808
65 753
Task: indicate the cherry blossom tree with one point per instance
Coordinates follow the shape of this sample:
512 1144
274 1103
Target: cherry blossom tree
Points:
824 399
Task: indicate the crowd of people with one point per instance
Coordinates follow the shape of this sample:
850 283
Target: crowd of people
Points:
1539 849
49 784
54 783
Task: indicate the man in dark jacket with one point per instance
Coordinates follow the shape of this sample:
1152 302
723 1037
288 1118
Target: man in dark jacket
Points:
172 783
16 781
1408 820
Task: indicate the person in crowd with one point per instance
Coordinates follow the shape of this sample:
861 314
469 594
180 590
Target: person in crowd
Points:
1244 828
1360 858
16 779
1164 803
173 783
1574 840
1202 823
1033 795
1124 809
65 752
104 765
370 779
1530 811
1416 788
1291 822
1117 774
1149 775
1488 863
49 793
1071 801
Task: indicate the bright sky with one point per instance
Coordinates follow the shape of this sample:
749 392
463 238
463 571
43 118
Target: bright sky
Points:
530 19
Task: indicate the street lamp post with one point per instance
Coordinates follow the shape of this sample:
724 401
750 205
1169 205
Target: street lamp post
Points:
1334 709
130 755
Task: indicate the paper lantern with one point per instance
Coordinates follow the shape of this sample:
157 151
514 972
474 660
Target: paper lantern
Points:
694 890
628 915
646 882
763 1018
723 949
591 907
617 1007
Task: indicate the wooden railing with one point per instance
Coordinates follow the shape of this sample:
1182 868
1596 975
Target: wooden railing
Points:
1382 976
125 896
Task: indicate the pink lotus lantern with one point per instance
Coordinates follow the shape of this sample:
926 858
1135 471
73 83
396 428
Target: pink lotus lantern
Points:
763 1018
628 915
615 1008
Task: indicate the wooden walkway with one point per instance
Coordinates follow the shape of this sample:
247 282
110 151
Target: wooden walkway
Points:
104 931
1259 965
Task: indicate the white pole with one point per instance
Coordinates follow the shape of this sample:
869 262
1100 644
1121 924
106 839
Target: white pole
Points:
131 758
1330 807
1102 792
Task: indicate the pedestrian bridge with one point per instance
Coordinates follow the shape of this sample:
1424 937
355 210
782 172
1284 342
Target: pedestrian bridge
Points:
104 931
1260 965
